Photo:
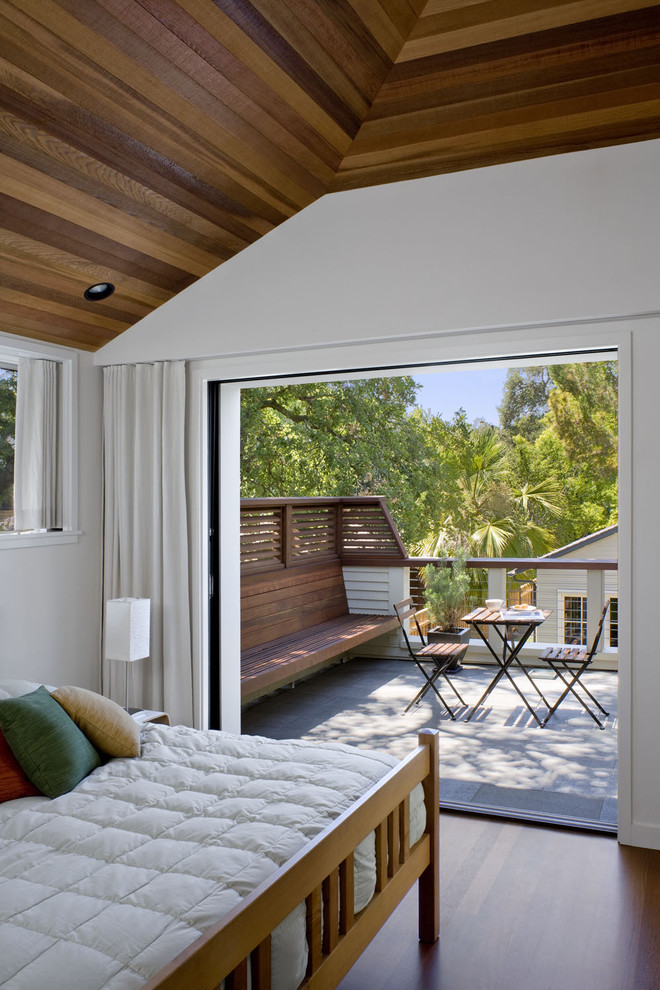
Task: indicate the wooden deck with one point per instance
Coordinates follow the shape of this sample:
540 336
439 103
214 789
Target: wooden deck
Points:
295 614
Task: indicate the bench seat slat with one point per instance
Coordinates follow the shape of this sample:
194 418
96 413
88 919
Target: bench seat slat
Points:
288 656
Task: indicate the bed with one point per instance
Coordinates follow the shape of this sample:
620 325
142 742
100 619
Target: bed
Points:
213 857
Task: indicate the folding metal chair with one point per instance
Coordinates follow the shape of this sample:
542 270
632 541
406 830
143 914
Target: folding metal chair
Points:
569 663
438 655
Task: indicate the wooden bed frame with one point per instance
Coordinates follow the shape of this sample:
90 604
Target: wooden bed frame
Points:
321 875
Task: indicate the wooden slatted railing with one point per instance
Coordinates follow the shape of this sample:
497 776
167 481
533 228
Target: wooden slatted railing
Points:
278 533
368 530
261 538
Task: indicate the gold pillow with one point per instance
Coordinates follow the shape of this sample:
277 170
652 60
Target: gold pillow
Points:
105 723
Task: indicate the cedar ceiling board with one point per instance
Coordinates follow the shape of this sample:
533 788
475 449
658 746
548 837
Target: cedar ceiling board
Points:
71 124
558 101
88 214
241 82
151 46
187 130
49 289
332 58
500 19
270 41
587 49
41 226
11 294
524 148
34 260
68 165
139 90
22 319
135 118
492 129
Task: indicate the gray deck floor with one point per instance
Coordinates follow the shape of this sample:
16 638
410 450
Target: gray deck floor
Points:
500 759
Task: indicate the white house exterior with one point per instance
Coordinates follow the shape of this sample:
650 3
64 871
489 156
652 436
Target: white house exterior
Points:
565 591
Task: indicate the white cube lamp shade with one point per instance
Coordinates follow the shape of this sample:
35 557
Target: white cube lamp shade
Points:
127 628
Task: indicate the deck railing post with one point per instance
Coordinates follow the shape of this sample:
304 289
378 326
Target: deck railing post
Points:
595 602
287 534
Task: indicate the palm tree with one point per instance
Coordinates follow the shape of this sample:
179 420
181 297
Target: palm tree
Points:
488 511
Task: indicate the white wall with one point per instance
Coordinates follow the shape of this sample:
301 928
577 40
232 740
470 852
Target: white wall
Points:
548 251
50 596
558 238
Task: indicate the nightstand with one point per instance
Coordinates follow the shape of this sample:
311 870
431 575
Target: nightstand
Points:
143 715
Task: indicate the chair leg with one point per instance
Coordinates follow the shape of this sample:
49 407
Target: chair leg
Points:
570 686
454 688
422 691
430 683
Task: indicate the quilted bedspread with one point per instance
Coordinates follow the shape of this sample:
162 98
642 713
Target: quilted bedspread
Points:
104 885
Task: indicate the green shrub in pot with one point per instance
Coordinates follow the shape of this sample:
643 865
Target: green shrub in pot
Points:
446 589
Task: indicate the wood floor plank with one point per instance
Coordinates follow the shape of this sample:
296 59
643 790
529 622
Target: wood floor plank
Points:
526 906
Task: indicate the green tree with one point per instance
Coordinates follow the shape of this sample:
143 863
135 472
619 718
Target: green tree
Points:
546 477
525 401
338 438
484 505
8 381
577 448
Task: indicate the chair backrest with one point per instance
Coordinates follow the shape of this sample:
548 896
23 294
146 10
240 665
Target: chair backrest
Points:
593 649
405 611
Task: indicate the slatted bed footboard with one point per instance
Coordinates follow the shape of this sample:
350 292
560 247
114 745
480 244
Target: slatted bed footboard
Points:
321 876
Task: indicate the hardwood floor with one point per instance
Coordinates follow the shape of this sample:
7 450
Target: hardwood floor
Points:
525 906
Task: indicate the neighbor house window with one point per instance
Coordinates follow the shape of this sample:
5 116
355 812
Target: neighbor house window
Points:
614 622
8 383
575 619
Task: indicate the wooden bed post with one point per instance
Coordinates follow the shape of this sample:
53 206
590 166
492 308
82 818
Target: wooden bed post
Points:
429 881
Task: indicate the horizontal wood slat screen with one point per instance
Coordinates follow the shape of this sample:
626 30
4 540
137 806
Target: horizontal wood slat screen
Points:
313 532
261 539
278 533
367 529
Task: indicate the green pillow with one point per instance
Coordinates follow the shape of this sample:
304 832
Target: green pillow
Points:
52 751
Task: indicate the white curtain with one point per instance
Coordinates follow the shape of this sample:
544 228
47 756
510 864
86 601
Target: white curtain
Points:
145 528
37 458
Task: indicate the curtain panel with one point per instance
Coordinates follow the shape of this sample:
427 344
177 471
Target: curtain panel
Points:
145 528
38 456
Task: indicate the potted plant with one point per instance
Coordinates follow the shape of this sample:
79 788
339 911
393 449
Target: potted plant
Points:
447 586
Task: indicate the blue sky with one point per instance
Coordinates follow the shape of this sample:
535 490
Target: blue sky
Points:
477 390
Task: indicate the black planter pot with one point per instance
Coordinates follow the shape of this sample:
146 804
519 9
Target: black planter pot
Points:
457 635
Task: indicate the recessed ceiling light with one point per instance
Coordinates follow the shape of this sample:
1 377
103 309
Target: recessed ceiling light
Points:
99 291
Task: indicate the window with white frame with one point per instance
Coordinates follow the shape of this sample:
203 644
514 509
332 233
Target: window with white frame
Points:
574 611
614 623
37 444
575 619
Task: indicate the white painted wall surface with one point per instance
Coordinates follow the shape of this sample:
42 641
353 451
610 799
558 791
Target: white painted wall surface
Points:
551 239
398 273
50 596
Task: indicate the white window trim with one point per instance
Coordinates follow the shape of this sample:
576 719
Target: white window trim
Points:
11 348
562 594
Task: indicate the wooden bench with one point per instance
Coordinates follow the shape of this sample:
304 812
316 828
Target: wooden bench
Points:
295 618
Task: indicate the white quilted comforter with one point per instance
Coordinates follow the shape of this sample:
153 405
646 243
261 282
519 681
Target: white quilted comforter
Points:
104 885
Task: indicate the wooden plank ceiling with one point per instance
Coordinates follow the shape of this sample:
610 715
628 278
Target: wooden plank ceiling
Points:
144 142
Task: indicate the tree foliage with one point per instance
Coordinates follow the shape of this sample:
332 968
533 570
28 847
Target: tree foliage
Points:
7 432
336 438
546 477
